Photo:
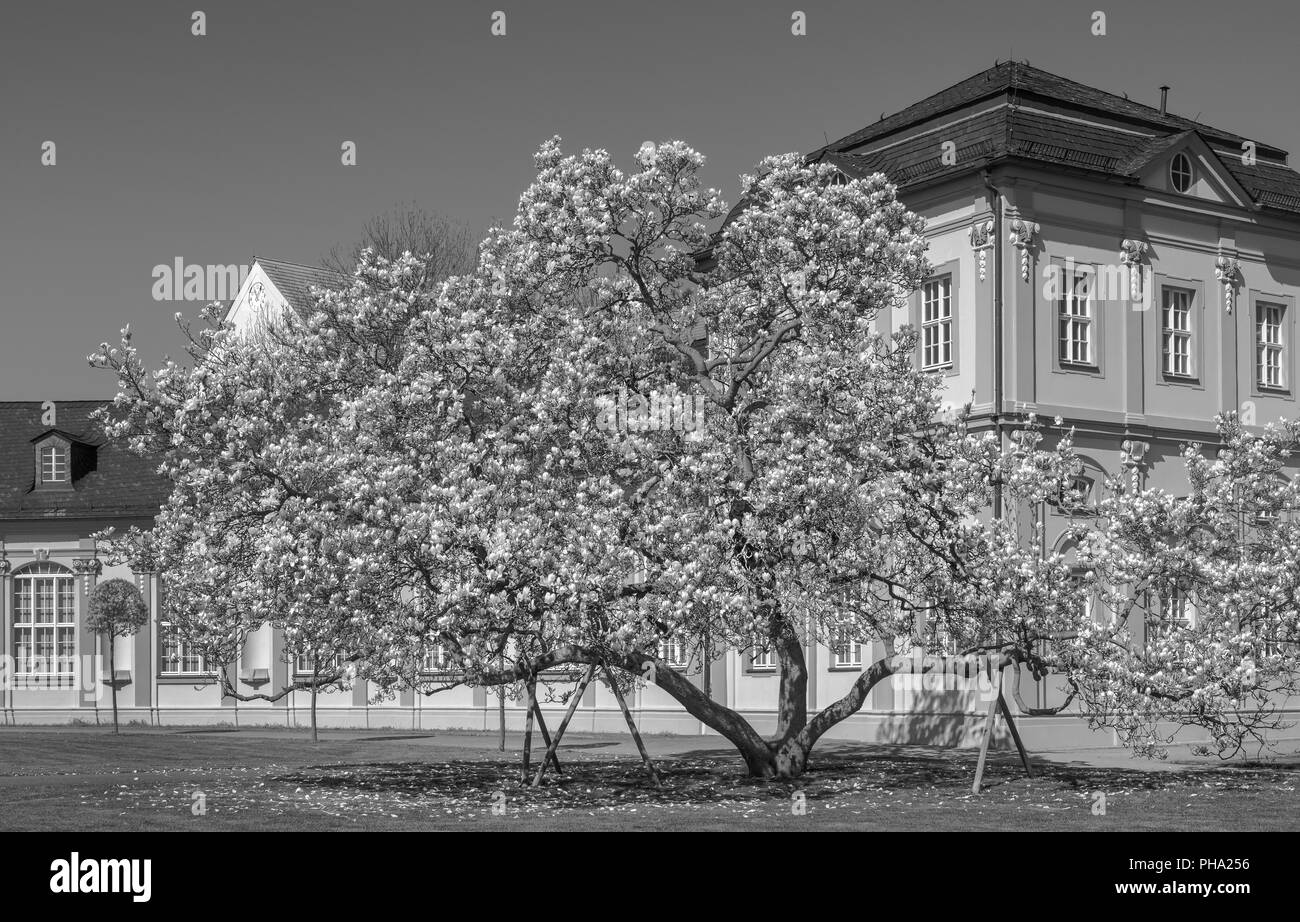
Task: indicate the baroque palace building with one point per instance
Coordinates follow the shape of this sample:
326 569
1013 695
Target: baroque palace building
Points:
1129 270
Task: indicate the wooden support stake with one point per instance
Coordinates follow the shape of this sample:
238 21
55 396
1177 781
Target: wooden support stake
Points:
546 738
564 724
530 690
1015 734
631 725
988 738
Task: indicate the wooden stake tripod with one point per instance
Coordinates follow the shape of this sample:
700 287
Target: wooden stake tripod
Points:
998 703
552 744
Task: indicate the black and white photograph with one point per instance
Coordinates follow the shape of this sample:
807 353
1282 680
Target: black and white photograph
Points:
650 417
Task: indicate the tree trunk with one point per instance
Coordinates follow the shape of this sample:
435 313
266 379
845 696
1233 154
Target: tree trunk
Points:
792 697
112 682
501 711
786 756
315 689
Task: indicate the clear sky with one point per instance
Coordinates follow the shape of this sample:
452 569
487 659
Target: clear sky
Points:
216 148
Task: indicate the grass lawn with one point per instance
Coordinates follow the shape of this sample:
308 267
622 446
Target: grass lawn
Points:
146 779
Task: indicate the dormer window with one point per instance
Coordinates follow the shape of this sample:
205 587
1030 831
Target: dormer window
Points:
1180 173
54 464
61 460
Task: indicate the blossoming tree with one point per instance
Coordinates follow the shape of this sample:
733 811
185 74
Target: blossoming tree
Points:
1202 592
410 472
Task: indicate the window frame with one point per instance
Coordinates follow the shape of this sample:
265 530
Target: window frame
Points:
1089 601
54 463
949 271
63 589
432 663
301 660
62 448
843 640
1198 321
1172 333
766 664
1270 345
168 632
1249 354
940 323
676 644
1155 627
1070 271
1190 173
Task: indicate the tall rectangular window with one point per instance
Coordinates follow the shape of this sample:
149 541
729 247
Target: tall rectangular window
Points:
1082 598
761 657
1075 319
1269 345
1176 317
936 323
1175 613
45 621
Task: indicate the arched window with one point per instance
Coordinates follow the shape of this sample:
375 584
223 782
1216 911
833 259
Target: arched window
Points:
1081 494
45 621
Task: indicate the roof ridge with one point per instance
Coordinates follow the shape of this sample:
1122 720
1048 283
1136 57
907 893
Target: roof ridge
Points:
863 134
1016 77
289 262
21 403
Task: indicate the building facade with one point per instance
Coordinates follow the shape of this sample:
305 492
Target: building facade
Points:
1126 269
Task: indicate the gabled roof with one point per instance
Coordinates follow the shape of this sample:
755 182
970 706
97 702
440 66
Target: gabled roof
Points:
1015 111
66 435
294 280
122 484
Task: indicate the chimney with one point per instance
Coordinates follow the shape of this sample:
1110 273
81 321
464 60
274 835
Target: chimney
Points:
1164 99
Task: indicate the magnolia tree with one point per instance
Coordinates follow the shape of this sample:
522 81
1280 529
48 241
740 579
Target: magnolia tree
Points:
254 532
809 493
1202 591
618 430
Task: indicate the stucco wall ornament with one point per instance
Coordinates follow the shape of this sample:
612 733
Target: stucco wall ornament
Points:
88 568
1131 253
1228 271
981 241
1022 238
1132 451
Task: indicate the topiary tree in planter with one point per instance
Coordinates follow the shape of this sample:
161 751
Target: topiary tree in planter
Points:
116 610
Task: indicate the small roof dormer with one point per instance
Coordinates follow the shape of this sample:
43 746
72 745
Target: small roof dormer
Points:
1184 164
61 459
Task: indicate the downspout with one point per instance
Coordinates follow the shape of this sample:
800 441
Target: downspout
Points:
996 202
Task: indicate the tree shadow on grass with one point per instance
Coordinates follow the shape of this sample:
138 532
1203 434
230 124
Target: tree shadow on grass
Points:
865 774
592 782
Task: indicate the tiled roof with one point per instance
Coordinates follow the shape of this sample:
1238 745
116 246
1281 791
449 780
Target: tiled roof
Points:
122 483
1027 83
295 280
1014 110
